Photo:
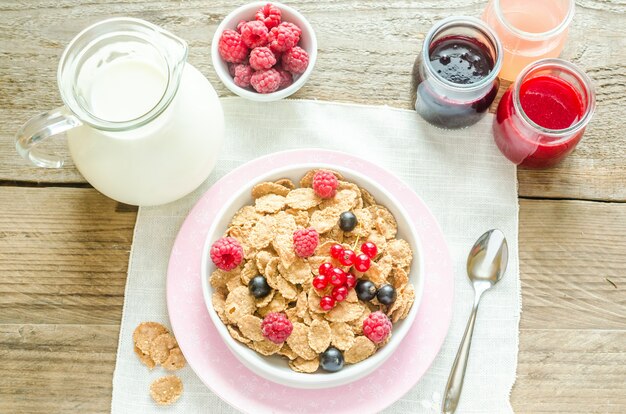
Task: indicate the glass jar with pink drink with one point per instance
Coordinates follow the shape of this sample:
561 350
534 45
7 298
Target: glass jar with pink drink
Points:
529 30
543 115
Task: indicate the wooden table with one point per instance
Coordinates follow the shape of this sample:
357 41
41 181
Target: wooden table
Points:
64 247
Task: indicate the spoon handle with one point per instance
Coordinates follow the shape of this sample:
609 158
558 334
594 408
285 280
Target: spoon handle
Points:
457 374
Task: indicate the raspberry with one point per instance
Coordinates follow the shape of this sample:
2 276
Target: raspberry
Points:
286 78
269 15
241 23
293 28
262 58
265 81
231 68
254 34
295 60
231 47
242 75
276 327
305 241
283 38
377 327
325 184
226 253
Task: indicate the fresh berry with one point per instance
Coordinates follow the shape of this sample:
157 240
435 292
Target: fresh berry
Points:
350 280
339 293
240 25
258 287
365 290
386 295
347 258
226 253
293 28
331 360
336 251
262 58
231 47
295 60
362 262
347 221
377 327
283 38
320 282
369 249
231 68
337 277
286 78
265 81
254 34
325 268
242 75
276 327
305 241
327 303
269 15
325 184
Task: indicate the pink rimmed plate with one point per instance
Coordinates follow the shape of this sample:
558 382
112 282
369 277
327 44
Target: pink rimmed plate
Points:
218 368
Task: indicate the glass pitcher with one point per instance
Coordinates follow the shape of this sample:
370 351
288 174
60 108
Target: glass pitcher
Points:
143 126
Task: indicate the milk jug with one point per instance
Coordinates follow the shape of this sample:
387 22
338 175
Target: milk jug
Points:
143 126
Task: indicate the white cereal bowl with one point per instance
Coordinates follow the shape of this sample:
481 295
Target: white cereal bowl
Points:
275 368
308 42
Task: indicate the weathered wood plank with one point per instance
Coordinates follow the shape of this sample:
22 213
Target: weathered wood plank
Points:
366 51
63 255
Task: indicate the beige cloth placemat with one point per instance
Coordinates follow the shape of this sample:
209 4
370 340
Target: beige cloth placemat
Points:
460 174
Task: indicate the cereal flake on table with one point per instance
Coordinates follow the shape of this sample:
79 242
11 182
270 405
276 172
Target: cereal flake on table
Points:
313 273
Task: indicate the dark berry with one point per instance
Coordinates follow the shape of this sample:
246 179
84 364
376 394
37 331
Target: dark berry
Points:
320 282
258 287
331 360
347 221
347 258
327 303
337 277
369 249
386 295
339 293
336 251
362 262
365 290
350 280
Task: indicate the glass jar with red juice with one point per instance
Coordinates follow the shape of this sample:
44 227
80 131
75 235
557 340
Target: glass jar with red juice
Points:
543 115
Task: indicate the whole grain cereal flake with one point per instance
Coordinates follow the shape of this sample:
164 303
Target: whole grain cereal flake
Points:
166 390
145 333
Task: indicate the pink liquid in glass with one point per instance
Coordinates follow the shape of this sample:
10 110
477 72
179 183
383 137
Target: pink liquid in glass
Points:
529 30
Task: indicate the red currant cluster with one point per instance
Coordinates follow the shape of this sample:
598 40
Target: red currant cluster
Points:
340 279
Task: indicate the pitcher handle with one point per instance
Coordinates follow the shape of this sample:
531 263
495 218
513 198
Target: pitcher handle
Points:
40 128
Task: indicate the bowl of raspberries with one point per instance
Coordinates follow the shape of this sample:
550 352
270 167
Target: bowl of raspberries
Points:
264 51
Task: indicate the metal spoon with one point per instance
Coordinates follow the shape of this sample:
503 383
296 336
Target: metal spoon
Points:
486 264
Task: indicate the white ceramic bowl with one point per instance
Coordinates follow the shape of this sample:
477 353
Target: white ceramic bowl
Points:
308 42
275 368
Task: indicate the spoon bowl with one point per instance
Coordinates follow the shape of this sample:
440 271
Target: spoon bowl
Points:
488 258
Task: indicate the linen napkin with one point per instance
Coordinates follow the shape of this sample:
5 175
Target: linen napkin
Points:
460 174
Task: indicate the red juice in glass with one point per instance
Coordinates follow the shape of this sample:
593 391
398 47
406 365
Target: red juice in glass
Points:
543 115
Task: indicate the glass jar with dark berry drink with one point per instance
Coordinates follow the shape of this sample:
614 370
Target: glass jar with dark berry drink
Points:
455 77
